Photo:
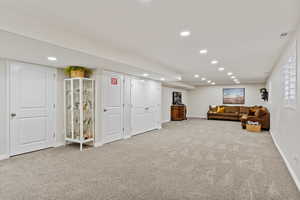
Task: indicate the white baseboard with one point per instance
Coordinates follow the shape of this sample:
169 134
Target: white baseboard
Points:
4 156
197 117
59 144
126 137
288 165
98 144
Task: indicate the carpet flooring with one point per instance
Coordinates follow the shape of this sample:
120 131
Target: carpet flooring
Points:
190 160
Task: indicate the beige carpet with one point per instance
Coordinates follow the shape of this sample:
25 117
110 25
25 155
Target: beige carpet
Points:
195 159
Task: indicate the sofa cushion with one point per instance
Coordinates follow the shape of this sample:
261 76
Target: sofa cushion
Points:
232 109
226 114
244 110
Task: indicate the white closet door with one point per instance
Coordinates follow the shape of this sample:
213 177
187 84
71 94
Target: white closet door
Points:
32 107
112 107
144 106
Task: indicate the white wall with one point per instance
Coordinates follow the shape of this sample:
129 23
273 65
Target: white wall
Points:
60 132
285 127
3 111
167 95
202 97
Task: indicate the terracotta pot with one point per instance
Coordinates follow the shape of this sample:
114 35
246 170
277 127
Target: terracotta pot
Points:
77 74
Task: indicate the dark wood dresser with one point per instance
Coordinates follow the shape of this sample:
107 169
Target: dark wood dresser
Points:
178 112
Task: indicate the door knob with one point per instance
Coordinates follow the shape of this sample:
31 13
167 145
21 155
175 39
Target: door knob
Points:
13 114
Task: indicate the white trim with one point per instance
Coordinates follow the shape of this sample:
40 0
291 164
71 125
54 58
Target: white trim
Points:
98 144
59 144
4 157
197 117
288 165
166 121
7 114
55 128
126 137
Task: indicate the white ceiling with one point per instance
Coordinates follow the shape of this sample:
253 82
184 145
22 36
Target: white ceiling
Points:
242 35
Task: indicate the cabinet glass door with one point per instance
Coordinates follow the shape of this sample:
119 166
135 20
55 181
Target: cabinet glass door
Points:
76 109
88 109
68 107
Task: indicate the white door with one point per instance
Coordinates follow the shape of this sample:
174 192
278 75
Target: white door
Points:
112 107
32 107
144 106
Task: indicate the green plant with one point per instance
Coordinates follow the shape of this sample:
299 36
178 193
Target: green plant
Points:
87 72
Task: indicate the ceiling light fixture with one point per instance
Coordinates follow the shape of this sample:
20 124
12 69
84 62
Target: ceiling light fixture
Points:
229 73
209 81
179 78
233 77
203 51
203 79
221 69
185 33
214 62
52 58
145 75
162 79
196 75
213 83
236 80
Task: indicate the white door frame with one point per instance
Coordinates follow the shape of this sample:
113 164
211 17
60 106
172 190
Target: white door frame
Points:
8 102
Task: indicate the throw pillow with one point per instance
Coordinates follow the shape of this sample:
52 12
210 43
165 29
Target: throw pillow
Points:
220 110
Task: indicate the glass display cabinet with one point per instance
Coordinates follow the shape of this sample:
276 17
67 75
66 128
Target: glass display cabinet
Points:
79 111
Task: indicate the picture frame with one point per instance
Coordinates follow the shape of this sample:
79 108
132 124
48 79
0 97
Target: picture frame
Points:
177 98
233 95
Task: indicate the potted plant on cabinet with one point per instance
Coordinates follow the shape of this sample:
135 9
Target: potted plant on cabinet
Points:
78 72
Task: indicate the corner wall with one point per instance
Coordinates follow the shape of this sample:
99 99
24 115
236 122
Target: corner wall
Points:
285 128
167 96
202 97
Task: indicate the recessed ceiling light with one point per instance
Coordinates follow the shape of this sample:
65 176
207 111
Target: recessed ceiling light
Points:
213 83
179 78
185 33
196 75
52 58
203 51
145 75
221 69
203 79
162 79
209 81
229 73
236 80
233 77
214 62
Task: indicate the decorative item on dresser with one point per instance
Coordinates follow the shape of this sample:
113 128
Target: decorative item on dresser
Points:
79 110
178 112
